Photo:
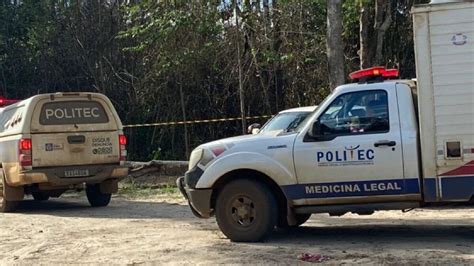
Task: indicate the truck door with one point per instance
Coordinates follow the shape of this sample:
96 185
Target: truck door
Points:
358 156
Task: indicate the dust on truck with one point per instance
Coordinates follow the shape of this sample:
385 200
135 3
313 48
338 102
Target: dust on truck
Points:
50 143
380 143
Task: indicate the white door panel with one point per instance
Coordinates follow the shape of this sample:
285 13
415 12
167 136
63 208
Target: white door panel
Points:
359 159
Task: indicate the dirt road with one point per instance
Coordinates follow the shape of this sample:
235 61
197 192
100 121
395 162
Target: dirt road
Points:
160 229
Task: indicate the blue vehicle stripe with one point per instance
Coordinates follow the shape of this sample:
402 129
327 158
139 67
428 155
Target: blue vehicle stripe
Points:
352 189
460 188
429 189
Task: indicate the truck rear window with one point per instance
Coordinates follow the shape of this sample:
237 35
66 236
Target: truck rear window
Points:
73 112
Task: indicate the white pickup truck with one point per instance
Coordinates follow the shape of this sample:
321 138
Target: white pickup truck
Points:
377 144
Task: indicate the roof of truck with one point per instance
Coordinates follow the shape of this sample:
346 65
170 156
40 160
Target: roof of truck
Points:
410 82
300 109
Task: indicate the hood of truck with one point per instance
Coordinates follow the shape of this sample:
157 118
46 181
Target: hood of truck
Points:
235 152
264 143
237 140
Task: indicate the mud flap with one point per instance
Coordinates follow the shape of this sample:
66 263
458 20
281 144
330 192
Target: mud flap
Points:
290 216
10 193
109 186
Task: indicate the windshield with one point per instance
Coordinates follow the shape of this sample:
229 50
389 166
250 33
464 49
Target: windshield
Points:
285 121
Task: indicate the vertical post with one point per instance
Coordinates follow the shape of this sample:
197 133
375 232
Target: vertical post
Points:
241 86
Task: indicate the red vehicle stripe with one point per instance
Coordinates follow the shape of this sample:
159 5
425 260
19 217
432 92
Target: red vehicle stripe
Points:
467 169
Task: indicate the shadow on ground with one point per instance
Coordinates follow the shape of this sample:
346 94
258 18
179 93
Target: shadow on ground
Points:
360 243
119 208
404 232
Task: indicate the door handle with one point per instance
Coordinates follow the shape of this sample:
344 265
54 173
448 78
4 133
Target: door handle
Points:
76 139
385 143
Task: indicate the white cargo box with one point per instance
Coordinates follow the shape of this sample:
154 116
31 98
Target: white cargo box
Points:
444 49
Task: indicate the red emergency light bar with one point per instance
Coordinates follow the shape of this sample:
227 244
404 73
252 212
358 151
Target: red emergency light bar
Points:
5 102
374 73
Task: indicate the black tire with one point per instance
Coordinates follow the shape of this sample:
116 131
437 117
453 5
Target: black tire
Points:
6 205
300 218
97 198
257 206
40 196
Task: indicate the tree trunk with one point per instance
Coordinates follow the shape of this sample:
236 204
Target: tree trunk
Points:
239 63
372 32
266 9
278 73
183 111
335 45
383 19
365 52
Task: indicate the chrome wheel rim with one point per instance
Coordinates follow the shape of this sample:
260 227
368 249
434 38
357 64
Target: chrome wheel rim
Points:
243 211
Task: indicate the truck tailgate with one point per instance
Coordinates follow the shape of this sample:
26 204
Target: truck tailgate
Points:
78 148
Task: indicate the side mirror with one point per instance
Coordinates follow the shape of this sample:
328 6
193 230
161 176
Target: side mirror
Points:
315 130
254 128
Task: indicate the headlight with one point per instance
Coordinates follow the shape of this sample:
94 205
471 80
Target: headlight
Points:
195 157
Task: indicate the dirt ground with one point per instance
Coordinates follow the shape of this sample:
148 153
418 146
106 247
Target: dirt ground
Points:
160 229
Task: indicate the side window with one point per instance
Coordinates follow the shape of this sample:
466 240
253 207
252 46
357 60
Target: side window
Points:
356 113
10 118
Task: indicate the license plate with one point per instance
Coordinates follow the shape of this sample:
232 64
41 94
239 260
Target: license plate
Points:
76 173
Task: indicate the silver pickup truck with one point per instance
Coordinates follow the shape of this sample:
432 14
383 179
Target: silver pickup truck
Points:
54 142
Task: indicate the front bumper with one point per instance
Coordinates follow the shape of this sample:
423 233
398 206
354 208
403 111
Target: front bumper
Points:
199 199
53 175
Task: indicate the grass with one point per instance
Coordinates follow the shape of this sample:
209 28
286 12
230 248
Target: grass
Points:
133 190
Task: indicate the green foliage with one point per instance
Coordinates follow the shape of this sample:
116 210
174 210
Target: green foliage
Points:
156 154
155 58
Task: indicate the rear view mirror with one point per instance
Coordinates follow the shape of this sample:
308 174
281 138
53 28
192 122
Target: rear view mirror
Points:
254 128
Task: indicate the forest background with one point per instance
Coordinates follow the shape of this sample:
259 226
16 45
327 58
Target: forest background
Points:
161 61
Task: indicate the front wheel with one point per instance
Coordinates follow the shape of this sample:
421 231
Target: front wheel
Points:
246 211
300 218
97 198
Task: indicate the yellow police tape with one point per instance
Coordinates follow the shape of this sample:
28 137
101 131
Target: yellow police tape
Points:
195 121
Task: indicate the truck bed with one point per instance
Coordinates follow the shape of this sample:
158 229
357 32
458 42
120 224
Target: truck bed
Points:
444 48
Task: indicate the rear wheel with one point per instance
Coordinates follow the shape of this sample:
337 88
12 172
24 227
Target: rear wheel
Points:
40 196
97 198
6 205
246 211
300 218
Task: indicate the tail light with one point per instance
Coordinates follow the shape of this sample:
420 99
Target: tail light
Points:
123 147
25 152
